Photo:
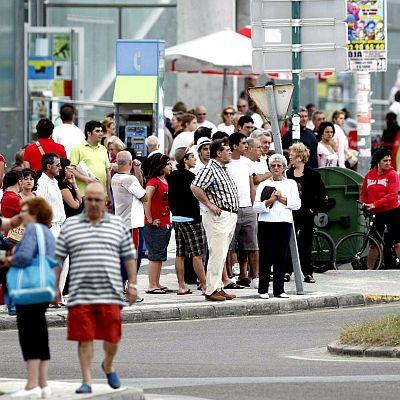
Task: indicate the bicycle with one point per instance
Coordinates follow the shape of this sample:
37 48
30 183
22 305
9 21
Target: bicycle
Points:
363 250
323 252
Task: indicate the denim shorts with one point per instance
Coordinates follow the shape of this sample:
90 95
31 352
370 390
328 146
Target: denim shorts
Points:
157 240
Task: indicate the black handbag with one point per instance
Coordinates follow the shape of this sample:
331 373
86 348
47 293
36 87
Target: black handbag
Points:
267 193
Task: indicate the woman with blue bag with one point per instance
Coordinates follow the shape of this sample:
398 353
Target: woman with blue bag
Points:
31 283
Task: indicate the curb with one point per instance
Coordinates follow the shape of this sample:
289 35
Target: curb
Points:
234 308
363 351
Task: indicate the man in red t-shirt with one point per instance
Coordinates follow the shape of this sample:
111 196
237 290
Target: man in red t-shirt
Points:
45 144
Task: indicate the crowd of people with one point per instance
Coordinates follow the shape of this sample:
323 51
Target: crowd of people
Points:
229 198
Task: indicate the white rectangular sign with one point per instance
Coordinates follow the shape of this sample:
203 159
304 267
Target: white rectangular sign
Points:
282 9
321 34
280 60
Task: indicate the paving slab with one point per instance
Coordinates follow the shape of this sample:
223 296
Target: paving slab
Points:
66 391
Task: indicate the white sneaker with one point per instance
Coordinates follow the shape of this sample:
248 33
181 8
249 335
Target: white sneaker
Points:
254 283
46 392
264 296
236 269
34 393
283 296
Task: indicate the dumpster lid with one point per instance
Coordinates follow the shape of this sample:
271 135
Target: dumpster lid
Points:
351 175
135 89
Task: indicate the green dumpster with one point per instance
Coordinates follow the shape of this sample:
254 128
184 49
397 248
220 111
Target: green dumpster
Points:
344 216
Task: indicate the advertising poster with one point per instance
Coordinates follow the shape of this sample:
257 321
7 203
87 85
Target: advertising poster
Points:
367 36
61 47
40 67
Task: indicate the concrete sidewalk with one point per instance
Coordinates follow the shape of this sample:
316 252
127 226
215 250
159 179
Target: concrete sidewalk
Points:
333 289
66 391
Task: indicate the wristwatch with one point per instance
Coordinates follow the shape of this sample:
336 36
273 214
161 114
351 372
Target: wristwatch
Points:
132 286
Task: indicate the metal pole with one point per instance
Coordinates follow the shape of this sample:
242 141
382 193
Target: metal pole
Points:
224 87
273 118
363 82
296 53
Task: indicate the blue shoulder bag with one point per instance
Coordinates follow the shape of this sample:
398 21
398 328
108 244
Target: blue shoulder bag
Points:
34 283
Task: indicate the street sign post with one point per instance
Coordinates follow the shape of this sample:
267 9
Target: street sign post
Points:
299 36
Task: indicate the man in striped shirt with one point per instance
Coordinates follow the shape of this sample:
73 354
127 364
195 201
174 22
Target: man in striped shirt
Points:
96 241
216 190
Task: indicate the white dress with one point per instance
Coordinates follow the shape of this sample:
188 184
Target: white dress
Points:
325 157
229 129
342 144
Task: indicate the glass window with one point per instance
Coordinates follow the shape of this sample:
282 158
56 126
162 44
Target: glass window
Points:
7 53
103 27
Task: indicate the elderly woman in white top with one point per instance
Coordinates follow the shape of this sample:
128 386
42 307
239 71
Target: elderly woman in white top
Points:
275 199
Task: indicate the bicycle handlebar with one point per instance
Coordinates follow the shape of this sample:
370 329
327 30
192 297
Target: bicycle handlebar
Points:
363 208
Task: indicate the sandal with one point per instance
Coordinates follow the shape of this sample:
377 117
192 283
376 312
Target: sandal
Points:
233 285
309 279
166 289
156 291
187 291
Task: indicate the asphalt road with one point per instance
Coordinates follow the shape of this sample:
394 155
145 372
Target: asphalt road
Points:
273 357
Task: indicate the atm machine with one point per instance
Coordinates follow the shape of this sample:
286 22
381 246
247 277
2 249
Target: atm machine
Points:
138 92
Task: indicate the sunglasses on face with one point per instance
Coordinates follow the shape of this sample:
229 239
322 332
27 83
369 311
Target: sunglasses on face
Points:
201 114
276 166
228 113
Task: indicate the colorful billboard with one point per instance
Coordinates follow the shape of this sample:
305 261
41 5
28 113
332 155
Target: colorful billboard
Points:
367 35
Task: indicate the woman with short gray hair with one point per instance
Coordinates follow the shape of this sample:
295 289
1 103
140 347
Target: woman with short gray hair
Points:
275 199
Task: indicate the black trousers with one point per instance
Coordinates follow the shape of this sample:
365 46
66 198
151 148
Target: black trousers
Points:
304 226
32 331
273 243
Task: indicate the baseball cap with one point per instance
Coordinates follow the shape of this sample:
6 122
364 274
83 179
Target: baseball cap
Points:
201 142
181 152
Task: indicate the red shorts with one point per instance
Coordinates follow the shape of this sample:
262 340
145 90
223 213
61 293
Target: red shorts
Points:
95 321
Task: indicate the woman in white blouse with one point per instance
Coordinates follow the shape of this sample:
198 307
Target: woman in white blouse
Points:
228 117
275 225
327 154
340 138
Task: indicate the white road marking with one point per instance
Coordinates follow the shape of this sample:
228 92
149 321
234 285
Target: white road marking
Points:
321 354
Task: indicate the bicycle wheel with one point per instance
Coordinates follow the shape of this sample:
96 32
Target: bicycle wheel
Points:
352 252
322 252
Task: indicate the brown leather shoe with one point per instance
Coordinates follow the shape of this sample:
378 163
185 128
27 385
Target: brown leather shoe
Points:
215 296
226 295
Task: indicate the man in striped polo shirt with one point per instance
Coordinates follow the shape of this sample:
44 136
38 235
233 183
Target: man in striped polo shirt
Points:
216 190
96 241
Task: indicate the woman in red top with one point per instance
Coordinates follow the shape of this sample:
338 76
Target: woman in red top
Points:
379 192
157 229
11 201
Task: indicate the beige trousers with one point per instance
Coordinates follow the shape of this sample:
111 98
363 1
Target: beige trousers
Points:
55 229
219 232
